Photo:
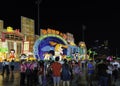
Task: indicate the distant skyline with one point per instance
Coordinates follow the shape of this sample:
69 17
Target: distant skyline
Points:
101 19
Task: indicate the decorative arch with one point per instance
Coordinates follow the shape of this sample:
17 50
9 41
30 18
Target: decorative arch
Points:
42 45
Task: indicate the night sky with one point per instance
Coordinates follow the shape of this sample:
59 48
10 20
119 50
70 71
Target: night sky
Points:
101 19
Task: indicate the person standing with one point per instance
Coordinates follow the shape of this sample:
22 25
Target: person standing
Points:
7 67
76 73
40 72
110 72
83 64
29 73
102 72
12 65
35 71
22 73
56 68
66 73
90 72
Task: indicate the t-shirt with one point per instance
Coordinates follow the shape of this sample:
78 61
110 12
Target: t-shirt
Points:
66 72
41 70
66 69
90 68
76 69
3 64
56 68
11 63
102 69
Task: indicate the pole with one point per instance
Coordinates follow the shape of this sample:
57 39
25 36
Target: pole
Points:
38 4
83 28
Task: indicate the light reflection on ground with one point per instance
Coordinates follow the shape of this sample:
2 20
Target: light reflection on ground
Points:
11 80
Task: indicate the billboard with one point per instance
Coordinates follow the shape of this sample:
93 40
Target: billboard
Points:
27 26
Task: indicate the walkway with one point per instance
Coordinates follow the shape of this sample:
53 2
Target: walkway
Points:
13 80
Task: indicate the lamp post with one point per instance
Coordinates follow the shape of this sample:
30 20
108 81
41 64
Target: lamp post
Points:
38 4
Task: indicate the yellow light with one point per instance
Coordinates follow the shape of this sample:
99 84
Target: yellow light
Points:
10 29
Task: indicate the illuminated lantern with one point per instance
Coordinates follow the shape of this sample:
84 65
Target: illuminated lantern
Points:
53 31
10 29
43 32
49 31
57 32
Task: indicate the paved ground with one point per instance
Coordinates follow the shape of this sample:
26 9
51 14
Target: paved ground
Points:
13 79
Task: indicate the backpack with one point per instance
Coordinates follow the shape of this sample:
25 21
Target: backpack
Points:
28 70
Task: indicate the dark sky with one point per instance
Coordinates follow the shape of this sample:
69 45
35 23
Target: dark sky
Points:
101 17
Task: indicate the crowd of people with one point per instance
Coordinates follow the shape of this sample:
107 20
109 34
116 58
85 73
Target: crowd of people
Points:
55 72
108 72
62 73
8 67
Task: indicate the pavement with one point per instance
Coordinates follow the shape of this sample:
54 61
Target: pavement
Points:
11 80
14 79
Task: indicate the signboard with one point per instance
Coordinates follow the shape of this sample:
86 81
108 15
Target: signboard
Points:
52 31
